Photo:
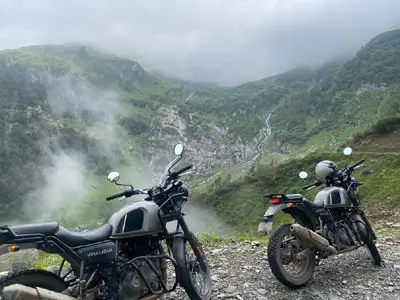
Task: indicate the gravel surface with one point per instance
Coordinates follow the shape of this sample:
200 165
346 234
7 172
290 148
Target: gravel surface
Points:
241 271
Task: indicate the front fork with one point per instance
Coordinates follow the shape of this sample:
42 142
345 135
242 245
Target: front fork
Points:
368 225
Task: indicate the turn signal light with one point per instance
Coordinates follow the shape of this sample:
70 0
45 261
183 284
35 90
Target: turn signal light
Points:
13 248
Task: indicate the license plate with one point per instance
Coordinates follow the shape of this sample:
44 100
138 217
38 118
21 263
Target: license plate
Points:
264 228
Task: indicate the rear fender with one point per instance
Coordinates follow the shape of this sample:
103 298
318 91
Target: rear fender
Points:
302 215
23 242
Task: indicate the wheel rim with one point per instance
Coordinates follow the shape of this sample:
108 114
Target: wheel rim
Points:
293 258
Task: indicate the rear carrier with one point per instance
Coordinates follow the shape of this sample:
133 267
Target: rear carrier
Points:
278 198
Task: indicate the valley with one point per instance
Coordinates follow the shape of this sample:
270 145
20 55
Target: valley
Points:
71 113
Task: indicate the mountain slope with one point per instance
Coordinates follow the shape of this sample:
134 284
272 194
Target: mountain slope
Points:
66 106
364 113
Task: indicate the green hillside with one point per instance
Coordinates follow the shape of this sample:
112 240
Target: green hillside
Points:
106 112
346 107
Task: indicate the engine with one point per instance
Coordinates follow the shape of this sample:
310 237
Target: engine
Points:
342 234
131 285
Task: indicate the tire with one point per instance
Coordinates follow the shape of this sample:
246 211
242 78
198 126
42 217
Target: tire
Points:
183 275
374 251
369 238
34 278
275 262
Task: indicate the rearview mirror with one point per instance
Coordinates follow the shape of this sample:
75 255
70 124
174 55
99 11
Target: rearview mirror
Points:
347 151
178 149
113 177
303 175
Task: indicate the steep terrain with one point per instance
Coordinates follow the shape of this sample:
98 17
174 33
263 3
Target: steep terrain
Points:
80 113
70 114
346 107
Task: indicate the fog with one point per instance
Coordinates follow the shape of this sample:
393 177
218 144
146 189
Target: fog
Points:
69 178
223 41
70 169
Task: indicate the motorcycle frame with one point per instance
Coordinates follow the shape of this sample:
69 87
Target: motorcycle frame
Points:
53 245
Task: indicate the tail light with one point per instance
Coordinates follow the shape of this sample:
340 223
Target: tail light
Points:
275 201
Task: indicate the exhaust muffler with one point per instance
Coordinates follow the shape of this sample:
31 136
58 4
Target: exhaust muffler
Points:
22 292
312 238
151 297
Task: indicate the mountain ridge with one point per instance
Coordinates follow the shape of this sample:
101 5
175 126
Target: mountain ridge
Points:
113 113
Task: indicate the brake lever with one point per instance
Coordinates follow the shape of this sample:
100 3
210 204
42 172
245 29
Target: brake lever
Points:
186 173
142 191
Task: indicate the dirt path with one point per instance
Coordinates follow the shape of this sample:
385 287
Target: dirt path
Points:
241 271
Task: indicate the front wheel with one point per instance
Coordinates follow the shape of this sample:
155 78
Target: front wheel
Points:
286 251
374 251
193 272
368 236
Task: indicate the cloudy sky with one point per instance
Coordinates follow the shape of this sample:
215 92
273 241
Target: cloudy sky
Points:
224 41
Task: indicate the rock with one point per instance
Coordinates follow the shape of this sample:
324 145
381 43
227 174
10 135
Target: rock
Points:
230 289
261 291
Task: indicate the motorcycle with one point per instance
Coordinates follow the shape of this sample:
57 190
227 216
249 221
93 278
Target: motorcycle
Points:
333 223
122 259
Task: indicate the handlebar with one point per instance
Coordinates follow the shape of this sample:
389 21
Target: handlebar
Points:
315 184
352 167
131 192
184 169
126 193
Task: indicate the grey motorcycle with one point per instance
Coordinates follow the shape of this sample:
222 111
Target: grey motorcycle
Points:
331 224
122 259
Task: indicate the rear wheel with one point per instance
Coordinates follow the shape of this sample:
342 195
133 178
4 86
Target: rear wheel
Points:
193 271
34 278
284 250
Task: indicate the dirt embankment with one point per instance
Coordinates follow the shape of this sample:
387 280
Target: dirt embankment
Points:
378 142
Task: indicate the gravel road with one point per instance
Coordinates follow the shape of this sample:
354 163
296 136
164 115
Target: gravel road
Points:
241 271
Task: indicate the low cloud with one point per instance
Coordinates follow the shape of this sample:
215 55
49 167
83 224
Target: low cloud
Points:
224 41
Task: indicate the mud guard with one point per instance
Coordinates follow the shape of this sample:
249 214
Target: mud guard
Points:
302 215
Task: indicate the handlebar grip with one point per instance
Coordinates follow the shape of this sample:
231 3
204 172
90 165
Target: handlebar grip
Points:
308 186
116 196
357 164
184 169
316 183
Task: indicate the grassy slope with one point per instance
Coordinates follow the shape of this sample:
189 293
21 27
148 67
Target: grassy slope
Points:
240 202
327 108
351 104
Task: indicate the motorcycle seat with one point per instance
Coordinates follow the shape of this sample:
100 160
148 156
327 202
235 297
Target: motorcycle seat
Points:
74 239
47 228
294 197
318 204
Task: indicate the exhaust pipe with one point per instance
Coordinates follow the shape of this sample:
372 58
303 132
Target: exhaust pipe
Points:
22 292
151 297
312 238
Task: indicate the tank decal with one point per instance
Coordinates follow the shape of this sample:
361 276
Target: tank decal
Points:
334 197
138 218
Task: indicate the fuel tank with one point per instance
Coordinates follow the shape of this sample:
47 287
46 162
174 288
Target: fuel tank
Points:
333 197
136 219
